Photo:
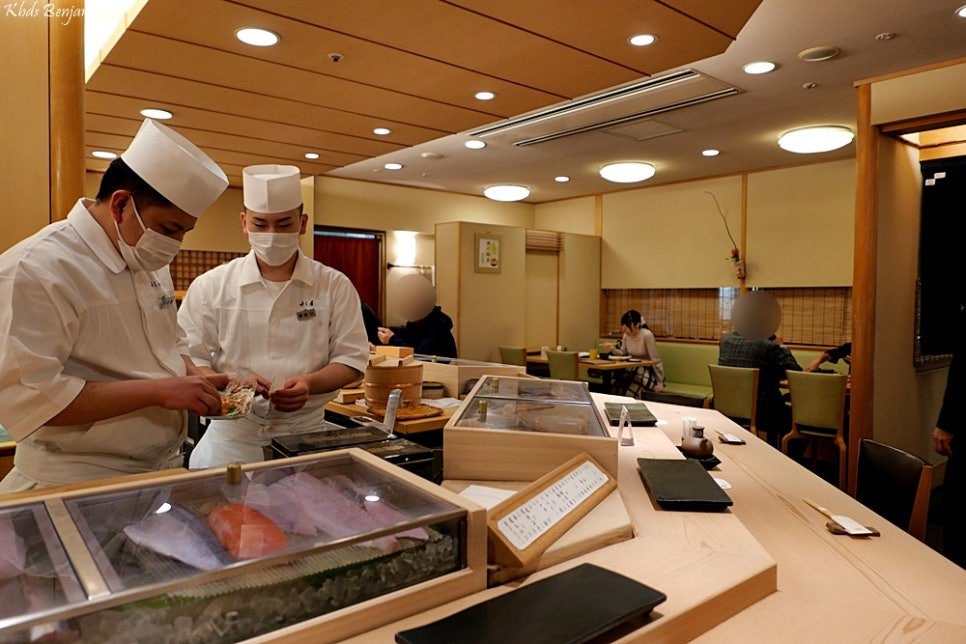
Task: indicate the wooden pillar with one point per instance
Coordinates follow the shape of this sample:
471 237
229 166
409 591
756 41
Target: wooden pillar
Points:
864 281
66 109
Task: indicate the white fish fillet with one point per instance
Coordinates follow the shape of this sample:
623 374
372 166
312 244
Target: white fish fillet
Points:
13 551
384 512
332 512
180 535
280 504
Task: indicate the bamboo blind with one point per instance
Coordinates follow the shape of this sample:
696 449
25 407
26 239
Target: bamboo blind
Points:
189 264
819 316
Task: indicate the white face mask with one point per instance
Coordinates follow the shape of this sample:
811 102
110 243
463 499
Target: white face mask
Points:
152 251
274 248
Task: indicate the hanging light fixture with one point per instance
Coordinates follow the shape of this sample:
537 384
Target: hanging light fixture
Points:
820 138
627 172
506 193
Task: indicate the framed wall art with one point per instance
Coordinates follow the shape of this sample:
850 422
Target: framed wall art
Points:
488 253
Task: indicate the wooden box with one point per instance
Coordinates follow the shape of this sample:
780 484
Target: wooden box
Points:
518 429
455 373
418 546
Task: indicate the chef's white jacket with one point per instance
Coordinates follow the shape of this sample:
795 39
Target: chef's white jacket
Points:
70 312
235 323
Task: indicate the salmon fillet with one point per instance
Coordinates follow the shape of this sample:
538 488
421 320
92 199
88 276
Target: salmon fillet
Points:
245 532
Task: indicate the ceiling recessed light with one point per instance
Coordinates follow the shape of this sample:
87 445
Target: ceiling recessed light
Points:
643 40
759 67
506 193
103 154
710 152
257 37
627 172
822 138
961 12
475 144
485 96
561 179
153 113
393 166
311 155
382 131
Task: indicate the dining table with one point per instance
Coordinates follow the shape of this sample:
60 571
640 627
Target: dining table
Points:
607 366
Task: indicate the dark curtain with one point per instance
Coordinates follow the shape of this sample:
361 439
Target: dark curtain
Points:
940 253
360 258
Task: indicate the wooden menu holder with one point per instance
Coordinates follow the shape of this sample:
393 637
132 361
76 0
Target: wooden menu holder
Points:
523 526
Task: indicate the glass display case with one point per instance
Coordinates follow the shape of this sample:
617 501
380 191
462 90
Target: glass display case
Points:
529 404
519 428
213 558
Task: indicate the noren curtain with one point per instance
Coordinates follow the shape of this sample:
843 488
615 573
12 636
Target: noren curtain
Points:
360 258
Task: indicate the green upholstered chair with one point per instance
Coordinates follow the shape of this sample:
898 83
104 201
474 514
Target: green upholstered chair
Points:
563 365
513 355
736 394
895 484
818 411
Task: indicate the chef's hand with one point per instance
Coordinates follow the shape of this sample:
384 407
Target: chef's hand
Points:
291 396
261 384
942 442
385 335
193 393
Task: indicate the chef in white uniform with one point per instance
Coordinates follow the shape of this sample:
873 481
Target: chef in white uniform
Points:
93 377
276 316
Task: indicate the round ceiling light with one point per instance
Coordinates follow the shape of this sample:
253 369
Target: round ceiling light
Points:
822 138
961 12
382 131
393 166
627 172
103 154
475 144
485 96
710 152
643 40
152 113
311 155
257 37
759 67
506 193
562 179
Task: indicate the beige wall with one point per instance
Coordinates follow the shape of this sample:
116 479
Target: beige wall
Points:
490 307
24 156
670 236
906 403
356 204
541 302
801 225
934 91
567 216
799 221
579 300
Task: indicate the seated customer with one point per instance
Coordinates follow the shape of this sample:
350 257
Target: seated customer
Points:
428 330
753 344
638 342
842 352
372 322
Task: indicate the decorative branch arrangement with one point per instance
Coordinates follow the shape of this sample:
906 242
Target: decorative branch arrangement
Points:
735 256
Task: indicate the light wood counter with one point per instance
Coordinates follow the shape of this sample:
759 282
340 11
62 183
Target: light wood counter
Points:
830 587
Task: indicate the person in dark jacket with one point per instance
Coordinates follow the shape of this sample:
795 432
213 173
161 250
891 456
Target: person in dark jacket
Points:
947 440
428 330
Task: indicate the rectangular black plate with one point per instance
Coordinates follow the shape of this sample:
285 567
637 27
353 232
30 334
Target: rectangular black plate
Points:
682 485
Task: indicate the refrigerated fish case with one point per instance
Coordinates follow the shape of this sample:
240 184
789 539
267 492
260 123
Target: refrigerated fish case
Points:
213 558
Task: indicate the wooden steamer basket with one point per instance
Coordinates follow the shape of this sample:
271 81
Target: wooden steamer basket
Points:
381 380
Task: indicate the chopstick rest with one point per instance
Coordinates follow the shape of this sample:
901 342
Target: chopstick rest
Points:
848 525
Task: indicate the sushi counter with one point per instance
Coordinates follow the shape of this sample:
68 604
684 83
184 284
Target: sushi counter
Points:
343 546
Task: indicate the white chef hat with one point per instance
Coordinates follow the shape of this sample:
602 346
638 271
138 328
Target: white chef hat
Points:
272 188
175 167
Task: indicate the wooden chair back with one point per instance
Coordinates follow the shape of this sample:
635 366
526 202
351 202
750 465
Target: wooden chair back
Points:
564 365
895 484
735 393
818 411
